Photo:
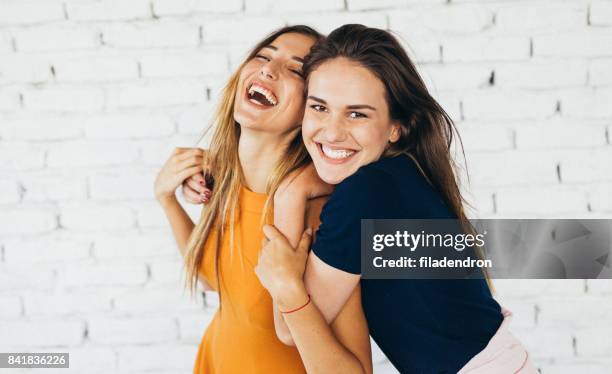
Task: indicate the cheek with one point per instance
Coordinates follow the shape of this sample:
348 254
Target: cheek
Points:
250 67
246 72
298 104
293 112
371 138
295 94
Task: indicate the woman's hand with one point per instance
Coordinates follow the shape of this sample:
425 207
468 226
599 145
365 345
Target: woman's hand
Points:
182 164
197 189
281 267
303 183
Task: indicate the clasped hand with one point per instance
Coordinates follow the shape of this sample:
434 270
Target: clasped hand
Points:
281 267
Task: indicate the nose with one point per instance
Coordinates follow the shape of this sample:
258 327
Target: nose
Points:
334 130
269 71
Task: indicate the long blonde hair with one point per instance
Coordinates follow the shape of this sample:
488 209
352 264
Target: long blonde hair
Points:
226 172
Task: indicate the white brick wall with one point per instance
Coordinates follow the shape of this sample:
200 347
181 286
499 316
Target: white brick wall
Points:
95 93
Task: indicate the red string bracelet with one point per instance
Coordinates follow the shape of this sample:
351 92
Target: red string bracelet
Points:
296 309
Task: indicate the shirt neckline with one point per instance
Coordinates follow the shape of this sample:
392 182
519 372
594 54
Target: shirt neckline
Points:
252 201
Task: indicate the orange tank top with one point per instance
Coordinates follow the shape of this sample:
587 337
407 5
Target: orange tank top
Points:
241 337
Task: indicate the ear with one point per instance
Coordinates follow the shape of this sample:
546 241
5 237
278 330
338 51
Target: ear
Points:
396 131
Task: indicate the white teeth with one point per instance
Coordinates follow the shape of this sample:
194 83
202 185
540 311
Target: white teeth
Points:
336 153
267 93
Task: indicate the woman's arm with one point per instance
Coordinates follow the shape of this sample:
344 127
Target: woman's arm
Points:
183 163
297 201
329 300
179 220
344 347
290 222
331 278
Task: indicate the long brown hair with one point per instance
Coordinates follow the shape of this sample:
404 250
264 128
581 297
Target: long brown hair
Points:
427 131
226 171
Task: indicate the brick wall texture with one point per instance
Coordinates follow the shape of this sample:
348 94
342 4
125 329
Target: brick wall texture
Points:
94 94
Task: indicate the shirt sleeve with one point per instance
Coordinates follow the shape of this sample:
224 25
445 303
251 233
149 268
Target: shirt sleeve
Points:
362 195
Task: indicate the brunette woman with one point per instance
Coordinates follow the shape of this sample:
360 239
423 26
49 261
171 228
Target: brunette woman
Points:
373 130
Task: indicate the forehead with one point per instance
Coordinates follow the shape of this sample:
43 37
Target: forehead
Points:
344 82
294 44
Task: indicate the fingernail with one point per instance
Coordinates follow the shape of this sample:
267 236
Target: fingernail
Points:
309 231
207 193
204 199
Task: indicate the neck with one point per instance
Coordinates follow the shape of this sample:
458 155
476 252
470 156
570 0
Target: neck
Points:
259 153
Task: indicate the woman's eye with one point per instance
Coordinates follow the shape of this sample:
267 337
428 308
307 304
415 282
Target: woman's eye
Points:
298 73
357 115
318 108
262 57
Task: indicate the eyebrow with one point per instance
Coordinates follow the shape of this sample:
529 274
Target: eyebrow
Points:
296 58
355 106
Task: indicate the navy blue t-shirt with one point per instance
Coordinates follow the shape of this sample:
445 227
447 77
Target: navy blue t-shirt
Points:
423 326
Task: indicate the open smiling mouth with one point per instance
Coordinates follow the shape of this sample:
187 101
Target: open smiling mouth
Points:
335 155
261 96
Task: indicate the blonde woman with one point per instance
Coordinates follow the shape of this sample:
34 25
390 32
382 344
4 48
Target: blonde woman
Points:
256 145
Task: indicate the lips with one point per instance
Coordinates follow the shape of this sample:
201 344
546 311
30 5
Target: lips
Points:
261 95
335 155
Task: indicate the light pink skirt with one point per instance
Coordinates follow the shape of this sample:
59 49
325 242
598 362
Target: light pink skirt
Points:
504 354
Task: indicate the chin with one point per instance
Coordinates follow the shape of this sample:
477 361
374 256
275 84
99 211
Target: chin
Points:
330 176
333 180
247 121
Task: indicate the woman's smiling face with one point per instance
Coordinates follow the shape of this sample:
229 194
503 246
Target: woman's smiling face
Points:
271 85
346 122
